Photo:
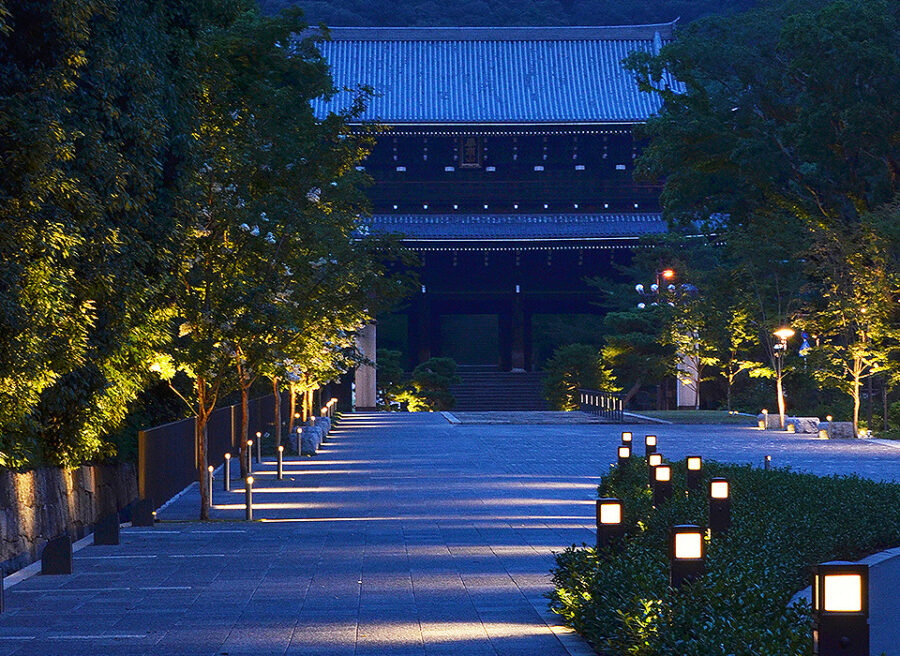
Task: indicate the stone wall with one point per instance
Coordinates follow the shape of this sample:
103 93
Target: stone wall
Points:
43 503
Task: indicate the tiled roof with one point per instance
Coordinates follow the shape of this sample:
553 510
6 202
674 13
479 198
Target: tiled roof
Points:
504 227
493 75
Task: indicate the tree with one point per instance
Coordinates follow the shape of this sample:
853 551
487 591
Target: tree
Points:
574 367
634 350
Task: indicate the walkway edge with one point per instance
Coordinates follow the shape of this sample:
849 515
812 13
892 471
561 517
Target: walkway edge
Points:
570 640
35 568
450 417
652 420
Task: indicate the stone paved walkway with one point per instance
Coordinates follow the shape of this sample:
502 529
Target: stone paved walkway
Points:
405 535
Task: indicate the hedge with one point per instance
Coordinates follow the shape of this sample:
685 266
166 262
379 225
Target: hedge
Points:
782 523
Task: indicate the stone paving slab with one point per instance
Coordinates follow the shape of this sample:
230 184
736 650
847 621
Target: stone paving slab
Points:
404 535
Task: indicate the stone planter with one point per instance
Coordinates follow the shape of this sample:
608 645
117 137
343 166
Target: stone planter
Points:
806 425
837 430
769 421
310 439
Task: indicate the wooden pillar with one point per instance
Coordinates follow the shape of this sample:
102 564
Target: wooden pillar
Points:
517 334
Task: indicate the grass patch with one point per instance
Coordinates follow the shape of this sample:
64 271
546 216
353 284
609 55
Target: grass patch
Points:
699 417
782 524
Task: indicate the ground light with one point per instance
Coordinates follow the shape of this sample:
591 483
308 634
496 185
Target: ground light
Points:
719 505
654 460
624 455
610 527
226 480
649 445
841 609
280 462
687 554
662 484
627 437
694 472
259 447
249 456
209 483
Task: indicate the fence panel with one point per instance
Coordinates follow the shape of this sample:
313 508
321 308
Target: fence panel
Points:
604 404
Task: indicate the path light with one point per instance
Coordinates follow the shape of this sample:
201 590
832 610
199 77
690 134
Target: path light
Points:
654 460
209 483
624 455
226 481
662 484
248 498
280 462
249 456
767 463
719 506
627 437
649 444
764 422
609 522
687 553
694 472
258 447
841 609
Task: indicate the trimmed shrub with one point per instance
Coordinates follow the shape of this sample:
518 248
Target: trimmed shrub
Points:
782 524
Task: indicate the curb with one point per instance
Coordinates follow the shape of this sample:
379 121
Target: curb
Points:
450 417
652 420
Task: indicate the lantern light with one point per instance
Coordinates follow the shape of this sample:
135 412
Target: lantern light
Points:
841 609
662 473
662 484
655 460
624 455
719 506
627 437
649 444
686 553
609 522
694 472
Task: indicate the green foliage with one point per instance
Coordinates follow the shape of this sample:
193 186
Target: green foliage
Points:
573 367
391 379
634 348
428 389
782 524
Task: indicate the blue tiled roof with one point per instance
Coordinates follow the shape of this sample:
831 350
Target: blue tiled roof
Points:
493 75
502 227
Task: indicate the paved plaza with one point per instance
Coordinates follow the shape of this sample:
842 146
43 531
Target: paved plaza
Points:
406 534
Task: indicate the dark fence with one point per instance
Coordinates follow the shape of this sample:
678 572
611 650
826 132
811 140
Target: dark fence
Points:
604 404
168 457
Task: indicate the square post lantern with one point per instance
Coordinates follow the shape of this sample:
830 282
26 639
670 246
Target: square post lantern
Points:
654 460
840 609
610 528
649 445
719 505
687 554
694 471
624 455
662 484
627 437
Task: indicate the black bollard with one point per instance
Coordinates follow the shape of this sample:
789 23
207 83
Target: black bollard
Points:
142 513
57 556
106 532
694 472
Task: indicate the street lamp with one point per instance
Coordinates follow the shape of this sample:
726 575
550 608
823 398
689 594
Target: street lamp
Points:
841 609
694 473
609 522
687 554
783 335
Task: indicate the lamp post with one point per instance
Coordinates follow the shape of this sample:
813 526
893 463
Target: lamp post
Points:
694 472
610 528
258 447
624 455
719 506
226 480
249 456
687 554
841 609
627 437
649 445
209 483
248 498
280 462
662 484
780 348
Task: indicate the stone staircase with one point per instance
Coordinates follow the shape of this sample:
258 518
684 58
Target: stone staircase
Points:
483 390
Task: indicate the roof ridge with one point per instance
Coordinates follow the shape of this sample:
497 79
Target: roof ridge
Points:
526 33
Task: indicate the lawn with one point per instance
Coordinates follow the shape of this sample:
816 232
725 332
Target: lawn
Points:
699 417
782 524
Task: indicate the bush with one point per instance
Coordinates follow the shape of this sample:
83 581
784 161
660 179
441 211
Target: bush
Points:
429 387
782 524
572 367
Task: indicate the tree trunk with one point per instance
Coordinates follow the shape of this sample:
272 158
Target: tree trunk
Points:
780 390
884 403
631 393
246 453
728 392
202 446
292 387
869 407
855 394
277 413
